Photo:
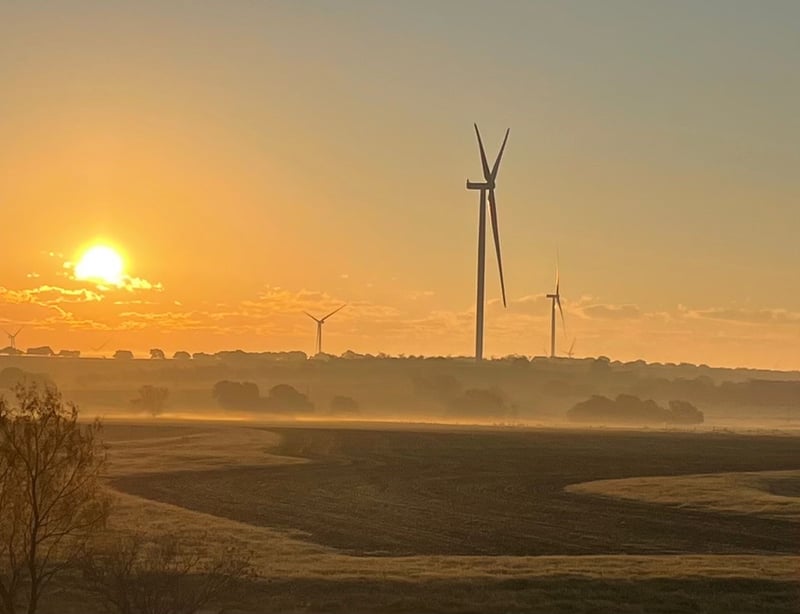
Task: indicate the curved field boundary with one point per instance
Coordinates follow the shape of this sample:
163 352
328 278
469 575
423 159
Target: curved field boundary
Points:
767 494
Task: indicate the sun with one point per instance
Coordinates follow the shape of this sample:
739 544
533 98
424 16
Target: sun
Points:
102 264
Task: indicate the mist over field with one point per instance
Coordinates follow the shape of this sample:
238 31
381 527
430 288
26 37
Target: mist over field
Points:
510 391
333 307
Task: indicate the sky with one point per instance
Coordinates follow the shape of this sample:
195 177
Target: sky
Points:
254 160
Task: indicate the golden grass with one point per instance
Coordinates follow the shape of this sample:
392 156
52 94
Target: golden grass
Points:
286 554
135 449
739 493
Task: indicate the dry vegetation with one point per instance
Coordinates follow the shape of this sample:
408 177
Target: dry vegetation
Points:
300 573
344 520
768 494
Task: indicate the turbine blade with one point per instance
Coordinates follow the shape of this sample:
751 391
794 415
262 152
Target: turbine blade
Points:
19 330
496 232
312 317
496 166
484 162
332 312
558 274
561 311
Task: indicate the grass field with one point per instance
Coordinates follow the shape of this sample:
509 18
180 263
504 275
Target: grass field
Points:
430 520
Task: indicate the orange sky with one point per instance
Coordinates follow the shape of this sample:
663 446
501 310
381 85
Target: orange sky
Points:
253 161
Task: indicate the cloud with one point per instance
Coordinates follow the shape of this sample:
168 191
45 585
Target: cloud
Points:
137 283
609 312
49 295
742 316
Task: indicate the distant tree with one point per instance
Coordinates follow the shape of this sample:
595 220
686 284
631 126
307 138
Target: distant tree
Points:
684 412
123 355
203 356
629 409
441 387
157 354
237 395
478 402
151 399
44 350
343 404
516 359
287 398
50 493
134 574
601 365
181 355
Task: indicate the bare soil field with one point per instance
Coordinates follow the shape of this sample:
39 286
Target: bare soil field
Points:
432 519
402 493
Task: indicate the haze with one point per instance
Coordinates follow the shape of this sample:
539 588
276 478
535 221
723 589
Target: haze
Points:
252 161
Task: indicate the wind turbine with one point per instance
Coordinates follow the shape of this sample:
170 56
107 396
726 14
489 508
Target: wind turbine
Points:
486 186
102 345
320 322
12 338
571 352
555 300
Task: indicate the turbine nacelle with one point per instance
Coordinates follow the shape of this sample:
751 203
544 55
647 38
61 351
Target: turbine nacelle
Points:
477 185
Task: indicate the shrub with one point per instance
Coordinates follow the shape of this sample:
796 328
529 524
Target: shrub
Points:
132 574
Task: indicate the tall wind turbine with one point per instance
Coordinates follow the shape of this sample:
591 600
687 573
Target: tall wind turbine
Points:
486 186
555 300
320 322
12 338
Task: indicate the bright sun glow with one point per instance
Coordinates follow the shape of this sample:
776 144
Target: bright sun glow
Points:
102 264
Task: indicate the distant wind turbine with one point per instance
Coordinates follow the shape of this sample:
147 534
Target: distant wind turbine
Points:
12 338
320 322
487 185
555 300
102 345
571 352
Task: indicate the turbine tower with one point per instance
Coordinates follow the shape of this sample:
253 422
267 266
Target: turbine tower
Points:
320 322
12 338
486 186
555 300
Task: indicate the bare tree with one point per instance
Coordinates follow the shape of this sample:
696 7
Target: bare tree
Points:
50 496
134 574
